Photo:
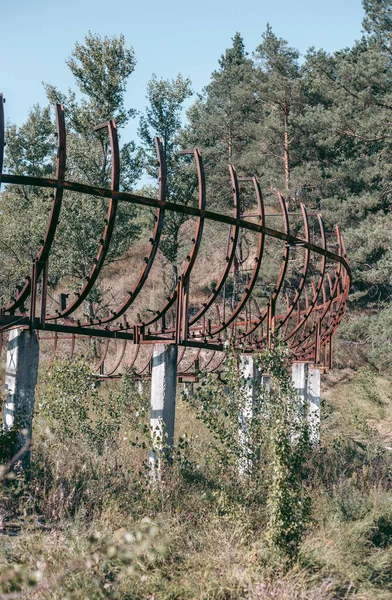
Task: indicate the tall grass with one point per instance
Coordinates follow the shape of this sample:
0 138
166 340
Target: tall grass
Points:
89 525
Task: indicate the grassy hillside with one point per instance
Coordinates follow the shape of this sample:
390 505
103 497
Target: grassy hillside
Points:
89 525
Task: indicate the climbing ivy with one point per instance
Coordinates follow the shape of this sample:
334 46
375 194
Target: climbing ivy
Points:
288 446
272 445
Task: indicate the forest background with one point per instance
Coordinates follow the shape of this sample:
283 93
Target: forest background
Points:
314 128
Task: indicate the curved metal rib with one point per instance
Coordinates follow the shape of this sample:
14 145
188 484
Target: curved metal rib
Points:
305 269
257 265
309 308
119 360
141 371
155 239
130 365
196 240
109 227
104 355
282 274
43 253
231 252
193 363
333 290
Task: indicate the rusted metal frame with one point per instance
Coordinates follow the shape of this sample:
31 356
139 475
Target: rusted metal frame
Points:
229 256
288 320
109 226
103 356
181 329
43 253
191 343
330 354
184 278
269 312
309 320
119 360
291 306
309 309
130 365
56 335
208 361
339 311
345 280
193 363
282 273
248 227
82 331
317 344
334 294
181 355
33 296
184 329
258 258
146 365
337 296
72 349
332 291
44 292
218 365
154 240
179 208
312 310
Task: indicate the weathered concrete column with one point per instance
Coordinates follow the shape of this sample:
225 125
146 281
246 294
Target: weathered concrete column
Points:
20 381
313 398
189 389
252 376
299 376
266 382
307 382
163 404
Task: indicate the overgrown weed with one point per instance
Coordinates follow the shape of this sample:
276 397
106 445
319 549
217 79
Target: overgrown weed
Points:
89 488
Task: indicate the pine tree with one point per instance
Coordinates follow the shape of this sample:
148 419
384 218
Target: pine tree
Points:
222 121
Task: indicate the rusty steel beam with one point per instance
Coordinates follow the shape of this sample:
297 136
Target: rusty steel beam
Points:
307 330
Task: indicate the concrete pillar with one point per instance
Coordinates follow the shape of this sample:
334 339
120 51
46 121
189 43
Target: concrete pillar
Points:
266 382
189 389
163 405
20 381
313 398
307 382
299 376
253 377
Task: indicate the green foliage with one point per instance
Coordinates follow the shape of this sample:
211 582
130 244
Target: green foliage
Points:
101 68
265 436
110 557
288 504
219 407
75 528
223 119
72 406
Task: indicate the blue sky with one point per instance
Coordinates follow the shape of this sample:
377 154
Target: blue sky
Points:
169 36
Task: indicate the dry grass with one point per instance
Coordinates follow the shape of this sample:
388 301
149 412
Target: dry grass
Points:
212 535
